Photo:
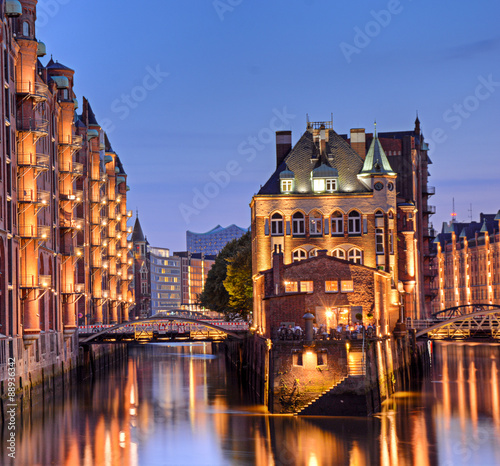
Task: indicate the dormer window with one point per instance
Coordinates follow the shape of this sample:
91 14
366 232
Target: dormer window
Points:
287 179
286 186
324 179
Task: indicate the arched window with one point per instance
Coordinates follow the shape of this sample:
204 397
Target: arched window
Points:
277 225
313 252
354 223
315 223
337 223
339 253
299 254
298 224
355 255
26 29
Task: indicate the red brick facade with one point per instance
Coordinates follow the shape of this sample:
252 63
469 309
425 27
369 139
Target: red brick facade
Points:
370 295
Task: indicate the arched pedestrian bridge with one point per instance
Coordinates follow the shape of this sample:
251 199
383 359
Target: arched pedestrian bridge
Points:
467 322
163 328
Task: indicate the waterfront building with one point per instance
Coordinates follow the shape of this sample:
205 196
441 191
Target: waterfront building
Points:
165 280
63 213
194 272
407 153
142 272
336 291
468 263
327 194
211 242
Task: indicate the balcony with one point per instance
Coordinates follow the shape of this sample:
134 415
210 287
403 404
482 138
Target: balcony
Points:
39 161
73 288
73 251
39 232
32 281
37 126
39 92
429 210
429 190
67 221
75 168
429 232
31 196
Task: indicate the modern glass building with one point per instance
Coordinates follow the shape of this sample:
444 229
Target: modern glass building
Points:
214 240
165 280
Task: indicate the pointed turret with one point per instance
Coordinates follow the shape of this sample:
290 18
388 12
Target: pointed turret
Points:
137 234
376 162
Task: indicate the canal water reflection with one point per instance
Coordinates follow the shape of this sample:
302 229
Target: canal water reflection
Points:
172 404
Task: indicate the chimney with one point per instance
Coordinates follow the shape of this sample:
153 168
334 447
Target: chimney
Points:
278 269
358 141
283 145
322 140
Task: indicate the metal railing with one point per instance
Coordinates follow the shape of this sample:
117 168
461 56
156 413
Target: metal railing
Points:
33 125
39 91
40 232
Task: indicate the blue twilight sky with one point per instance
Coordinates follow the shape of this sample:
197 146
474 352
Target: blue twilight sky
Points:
191 89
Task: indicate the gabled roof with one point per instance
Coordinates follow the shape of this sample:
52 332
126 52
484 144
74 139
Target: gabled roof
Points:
305 157
92 118
376 162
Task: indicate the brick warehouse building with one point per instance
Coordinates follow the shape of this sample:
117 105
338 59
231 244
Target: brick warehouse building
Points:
468 263
333 289
329 194
64 253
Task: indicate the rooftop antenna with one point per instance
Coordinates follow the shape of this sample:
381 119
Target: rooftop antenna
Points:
453 214
470 212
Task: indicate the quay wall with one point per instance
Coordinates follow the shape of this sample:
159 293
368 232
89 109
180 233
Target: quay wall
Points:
50 364
328 377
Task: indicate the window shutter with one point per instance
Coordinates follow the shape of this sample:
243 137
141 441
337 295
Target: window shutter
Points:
288 228
266 227
365 225
327 228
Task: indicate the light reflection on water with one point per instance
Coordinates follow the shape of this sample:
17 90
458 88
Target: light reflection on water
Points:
175 404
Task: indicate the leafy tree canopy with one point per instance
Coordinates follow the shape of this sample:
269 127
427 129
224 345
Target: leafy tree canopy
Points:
229 288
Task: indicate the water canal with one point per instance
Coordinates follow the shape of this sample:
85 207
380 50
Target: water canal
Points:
173 404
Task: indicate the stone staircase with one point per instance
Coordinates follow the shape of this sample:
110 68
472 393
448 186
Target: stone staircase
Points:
341 398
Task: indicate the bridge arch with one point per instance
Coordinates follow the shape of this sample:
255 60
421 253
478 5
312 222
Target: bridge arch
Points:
461 318
159 319
462 310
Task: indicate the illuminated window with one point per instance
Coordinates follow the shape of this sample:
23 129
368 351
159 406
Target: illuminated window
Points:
315 224
313 252
354 223
306 286
298 255
277 225
331 286
338 253
286 186
298 224
355 255
319 185
291 287
347 286
337 223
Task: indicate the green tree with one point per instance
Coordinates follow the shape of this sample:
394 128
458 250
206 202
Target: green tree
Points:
234 259
238 282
